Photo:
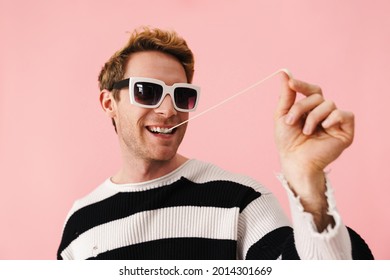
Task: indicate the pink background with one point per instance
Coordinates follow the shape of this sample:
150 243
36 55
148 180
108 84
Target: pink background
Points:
56 144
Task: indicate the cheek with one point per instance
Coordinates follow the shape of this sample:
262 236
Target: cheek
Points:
183 116
132 116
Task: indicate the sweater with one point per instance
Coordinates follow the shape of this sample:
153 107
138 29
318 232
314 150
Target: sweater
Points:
200 211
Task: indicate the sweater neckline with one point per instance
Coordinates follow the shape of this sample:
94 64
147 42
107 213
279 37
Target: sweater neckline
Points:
150 184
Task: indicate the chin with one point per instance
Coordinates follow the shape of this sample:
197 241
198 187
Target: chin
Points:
163 156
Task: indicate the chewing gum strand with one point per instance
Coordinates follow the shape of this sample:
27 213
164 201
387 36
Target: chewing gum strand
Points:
285 70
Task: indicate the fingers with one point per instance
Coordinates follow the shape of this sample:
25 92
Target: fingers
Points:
324 114
313 111
288 94
306 107
286 99
342 123
317 115
304 88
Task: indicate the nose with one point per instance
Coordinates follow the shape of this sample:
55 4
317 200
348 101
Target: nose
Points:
166 108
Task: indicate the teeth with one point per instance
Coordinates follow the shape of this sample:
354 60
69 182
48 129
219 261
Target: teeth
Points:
162 130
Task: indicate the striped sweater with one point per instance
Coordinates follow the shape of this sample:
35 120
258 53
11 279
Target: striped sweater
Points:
199 211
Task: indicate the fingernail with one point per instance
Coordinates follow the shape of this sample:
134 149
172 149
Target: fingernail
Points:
289 118
306 130
325 123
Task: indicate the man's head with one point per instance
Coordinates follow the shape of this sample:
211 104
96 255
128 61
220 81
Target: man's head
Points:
146 39
153 54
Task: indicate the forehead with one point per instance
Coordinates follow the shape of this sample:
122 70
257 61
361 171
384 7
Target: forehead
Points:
157 65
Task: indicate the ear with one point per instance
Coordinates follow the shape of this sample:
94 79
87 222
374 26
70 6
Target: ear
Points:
108 103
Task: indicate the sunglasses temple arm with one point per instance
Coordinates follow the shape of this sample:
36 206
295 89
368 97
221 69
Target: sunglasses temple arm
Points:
284 70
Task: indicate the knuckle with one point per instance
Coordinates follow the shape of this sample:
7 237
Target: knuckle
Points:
331 104
317 89
338 115
297 109
318 97
312 118
349 117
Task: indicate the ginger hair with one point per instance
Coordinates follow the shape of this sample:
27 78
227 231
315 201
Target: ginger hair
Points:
145 39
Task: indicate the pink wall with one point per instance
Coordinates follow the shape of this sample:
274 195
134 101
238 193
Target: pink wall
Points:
57 145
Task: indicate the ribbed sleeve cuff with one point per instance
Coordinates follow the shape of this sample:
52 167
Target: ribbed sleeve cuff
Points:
333 243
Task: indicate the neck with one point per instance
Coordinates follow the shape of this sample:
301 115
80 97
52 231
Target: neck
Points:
137 171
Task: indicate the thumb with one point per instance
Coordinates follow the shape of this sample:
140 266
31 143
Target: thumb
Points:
286 98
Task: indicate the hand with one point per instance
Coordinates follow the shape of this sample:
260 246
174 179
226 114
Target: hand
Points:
309 134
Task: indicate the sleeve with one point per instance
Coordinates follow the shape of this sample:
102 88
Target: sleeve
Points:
338 242
265 233
68 234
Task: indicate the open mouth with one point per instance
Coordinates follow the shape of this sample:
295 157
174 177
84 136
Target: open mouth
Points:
160 130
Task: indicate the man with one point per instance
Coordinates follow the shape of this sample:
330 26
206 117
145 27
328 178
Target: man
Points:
162 205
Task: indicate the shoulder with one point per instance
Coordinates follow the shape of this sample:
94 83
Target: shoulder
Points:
204 172
100 193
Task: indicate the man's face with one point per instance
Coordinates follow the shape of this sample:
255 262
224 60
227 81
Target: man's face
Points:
135 125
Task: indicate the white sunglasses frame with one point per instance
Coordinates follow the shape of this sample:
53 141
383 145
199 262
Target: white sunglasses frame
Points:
167 90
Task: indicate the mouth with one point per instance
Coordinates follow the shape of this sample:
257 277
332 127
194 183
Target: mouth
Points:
161 130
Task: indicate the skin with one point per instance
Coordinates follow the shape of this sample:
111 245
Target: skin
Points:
145 155
309 133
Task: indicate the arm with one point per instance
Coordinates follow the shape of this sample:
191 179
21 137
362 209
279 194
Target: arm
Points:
310 133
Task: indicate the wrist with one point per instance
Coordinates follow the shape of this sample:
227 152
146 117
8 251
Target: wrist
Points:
310 186
304 180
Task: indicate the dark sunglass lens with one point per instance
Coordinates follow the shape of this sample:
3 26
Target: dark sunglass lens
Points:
147 93
185 98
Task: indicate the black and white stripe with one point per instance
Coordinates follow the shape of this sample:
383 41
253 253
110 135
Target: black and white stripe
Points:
191 209
198 211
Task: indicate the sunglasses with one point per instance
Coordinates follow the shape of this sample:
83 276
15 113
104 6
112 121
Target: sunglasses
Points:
150 93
